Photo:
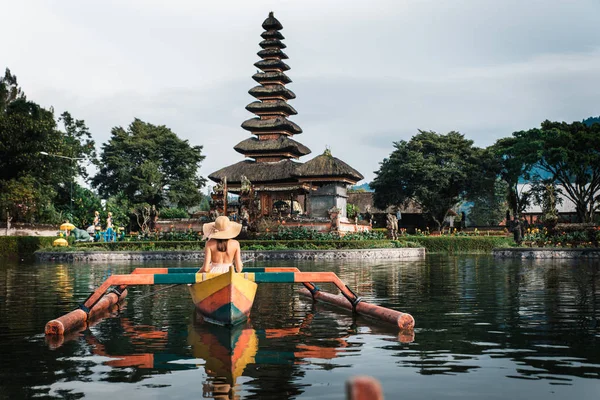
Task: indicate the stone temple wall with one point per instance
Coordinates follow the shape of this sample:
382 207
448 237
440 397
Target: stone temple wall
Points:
326 197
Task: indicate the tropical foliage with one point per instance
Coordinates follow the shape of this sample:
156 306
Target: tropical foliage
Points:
434 170
568 153
38 160
150 164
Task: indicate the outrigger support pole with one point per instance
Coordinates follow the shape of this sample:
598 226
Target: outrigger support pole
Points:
100 300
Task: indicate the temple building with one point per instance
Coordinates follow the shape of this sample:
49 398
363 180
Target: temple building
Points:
272 153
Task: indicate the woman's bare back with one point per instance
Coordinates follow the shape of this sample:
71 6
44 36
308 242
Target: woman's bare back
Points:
232 255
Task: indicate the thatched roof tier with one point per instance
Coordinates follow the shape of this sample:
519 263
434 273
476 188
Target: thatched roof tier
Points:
271 76
271 23
270 53
272 34
278 106
271 125
257 173
328 167
271 64
272 43
289 187
271 91
282 145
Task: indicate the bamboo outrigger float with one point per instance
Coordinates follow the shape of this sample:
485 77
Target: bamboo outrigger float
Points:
224 299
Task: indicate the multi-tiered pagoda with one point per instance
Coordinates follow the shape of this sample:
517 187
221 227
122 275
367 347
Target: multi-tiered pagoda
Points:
271 153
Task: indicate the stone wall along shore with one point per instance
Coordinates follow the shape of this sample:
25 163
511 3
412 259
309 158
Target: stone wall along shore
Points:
541 253
362 254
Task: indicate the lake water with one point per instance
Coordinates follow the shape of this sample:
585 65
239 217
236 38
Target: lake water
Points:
485 328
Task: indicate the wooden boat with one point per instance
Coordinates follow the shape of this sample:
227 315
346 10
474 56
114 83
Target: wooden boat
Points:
225 299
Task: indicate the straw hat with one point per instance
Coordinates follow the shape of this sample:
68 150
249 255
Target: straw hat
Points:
222 228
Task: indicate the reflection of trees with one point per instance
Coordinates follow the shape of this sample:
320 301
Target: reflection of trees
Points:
541 315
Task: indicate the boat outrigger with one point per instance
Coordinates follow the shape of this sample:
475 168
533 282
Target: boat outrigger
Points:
224 299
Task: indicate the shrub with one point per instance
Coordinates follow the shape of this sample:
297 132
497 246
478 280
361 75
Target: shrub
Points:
23 247
173 213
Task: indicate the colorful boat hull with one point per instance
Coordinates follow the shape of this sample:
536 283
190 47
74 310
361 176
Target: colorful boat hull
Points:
225 299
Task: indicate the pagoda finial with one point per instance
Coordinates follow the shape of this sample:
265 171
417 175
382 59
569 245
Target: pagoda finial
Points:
271 14
327 152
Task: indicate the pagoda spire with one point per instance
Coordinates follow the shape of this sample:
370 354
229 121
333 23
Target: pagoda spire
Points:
271 126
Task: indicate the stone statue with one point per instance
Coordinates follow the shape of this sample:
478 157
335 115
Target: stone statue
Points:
392 226
517 229
245 184
96 219
109 223
81 235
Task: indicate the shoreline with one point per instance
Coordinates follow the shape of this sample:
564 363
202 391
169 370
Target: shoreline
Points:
193 255
546 252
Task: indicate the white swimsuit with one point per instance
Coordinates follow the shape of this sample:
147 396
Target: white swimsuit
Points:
219 268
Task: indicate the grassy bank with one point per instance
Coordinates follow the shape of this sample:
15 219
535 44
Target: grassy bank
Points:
433 244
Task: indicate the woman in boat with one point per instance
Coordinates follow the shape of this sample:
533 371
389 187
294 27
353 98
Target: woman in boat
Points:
221 250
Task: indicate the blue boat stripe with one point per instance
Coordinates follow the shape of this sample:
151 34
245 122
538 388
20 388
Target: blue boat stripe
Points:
166 279
283 277
183 270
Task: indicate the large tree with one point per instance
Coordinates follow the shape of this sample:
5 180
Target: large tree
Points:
514 171
434 170
150 165
28 130
568 155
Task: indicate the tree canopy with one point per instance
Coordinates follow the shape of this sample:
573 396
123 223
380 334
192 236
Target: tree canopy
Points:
568 153
28 130
513 170
149 164
9 90
434 170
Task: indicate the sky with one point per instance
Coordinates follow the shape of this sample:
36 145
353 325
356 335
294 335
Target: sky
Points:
366 73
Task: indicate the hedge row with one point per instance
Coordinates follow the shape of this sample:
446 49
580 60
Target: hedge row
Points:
462 244
433 244
23 247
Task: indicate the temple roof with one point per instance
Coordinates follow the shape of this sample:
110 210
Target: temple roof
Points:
272 124
272 34
272 43
283 144
257 172
272 53
272 91
271 23
272 64
271 107
328 166
271 76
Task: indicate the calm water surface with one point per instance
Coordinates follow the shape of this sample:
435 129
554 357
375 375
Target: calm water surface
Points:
485 329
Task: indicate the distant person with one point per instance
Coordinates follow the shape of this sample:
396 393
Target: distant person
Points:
221 251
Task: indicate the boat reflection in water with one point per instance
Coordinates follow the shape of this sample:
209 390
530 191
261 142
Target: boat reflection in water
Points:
226 352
